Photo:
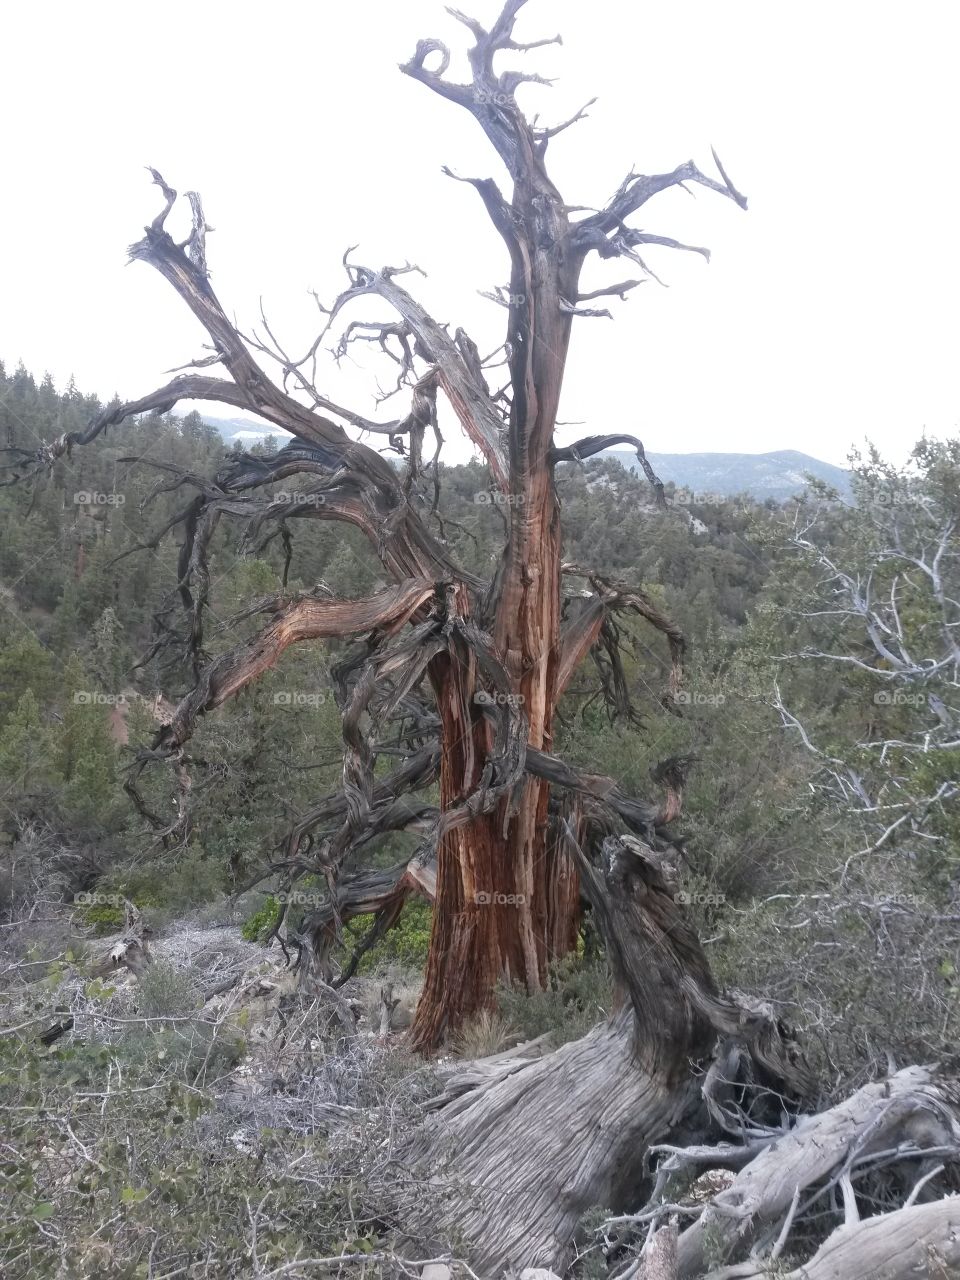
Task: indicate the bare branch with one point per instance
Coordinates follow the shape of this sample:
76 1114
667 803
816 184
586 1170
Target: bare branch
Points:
301 619
469 397
614 290
591 445
606 233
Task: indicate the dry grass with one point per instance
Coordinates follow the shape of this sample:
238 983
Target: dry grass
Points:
483 1035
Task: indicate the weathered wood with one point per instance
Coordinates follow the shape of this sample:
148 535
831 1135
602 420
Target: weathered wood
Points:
131 950
387 1005
531 1150
920 1241
907 1108
660 1258
530 1145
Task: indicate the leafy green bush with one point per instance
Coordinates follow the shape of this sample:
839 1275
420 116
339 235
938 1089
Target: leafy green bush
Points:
103 918
169 888
256 926
406 944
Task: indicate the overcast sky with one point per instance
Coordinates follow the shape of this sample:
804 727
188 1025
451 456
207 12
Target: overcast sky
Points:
829 311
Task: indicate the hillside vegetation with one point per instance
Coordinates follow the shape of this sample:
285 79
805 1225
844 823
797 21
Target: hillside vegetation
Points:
819 715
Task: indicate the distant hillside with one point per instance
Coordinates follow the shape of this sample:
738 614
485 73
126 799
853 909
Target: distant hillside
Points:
761 475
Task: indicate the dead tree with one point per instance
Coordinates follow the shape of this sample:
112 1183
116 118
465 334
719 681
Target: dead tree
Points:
472 669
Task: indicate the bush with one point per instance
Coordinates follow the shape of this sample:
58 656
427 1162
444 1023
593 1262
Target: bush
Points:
578 996
194 1052
102 918
258 925
163 990
406 944
131 1133
181 1198
167 890
861 973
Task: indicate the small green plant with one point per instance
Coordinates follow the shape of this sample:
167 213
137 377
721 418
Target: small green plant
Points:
406 944
104 919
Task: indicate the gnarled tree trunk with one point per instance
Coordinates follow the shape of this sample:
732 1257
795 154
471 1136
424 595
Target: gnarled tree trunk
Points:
531 1145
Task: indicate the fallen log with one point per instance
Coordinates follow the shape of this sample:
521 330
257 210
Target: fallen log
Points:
910 1243
907 1116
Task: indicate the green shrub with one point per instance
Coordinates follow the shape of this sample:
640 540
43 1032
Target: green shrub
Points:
169 888
578 996
163 990
406 944
256 926
102 918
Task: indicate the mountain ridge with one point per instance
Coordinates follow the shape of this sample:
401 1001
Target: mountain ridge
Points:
778 474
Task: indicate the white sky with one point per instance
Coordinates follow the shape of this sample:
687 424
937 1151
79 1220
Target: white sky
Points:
828 313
